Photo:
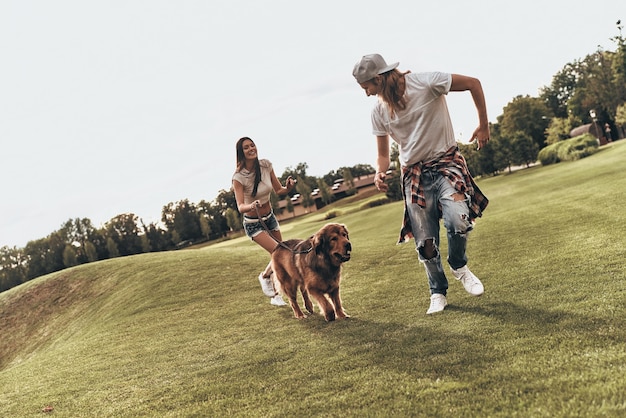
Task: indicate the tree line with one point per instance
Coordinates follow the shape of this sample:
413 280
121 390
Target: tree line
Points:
182 223
588 91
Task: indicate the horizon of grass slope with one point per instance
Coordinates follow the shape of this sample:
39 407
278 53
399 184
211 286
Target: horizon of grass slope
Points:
189 333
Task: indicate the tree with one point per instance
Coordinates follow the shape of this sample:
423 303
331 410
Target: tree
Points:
112 248
564 83
182 217
215 213
299 173
45 255
305 192
620 115
487 159
600 84
13 267
234 222
158 238
491 158
290 208
145 243
124 231
77 233
348 180
560 128
324 191
394 181
484 162
224 200
394 156
36 253
275 202
619 70
355 171
69 256
524 149
90 252
362 170
204 225
99 240
525 114
598 87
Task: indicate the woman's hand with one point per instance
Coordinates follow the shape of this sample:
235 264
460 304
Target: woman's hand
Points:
254 205
290 183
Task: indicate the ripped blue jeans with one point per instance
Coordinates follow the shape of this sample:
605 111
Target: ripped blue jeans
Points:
426 225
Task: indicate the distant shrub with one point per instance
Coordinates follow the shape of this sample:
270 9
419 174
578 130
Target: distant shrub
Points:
332 214
374 203
548 155
569 150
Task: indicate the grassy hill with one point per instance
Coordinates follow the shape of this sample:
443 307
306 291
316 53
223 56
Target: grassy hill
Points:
189 333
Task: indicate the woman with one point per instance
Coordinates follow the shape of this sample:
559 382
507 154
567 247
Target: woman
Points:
253 183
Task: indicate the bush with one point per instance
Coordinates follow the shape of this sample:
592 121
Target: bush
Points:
374 203
569 150
548 155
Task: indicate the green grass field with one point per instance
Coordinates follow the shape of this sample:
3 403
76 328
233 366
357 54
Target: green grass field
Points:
189 333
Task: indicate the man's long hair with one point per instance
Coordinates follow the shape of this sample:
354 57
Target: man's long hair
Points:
392 88
241 161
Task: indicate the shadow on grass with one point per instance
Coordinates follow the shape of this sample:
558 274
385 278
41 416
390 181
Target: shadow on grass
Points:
432 349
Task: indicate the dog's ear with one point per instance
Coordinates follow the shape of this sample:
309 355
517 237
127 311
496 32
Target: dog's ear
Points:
319 241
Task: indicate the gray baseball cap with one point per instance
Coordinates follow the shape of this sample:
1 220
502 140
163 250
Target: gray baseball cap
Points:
370 66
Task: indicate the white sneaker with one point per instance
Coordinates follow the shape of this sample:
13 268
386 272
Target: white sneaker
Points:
277 301
472 285
438 303
267 285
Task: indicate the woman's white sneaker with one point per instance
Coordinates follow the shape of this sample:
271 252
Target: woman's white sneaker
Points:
472 285
438 303
267 285
277 301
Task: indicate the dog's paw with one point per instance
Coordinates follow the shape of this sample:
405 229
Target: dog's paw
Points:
329 316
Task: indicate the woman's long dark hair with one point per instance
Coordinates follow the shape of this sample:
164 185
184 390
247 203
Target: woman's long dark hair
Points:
241 161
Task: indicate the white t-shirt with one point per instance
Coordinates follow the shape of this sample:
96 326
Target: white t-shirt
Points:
246 178
423 130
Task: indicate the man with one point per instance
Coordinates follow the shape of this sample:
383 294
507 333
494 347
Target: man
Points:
436 183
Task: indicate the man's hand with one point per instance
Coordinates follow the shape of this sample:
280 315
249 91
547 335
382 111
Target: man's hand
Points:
480 136
379 182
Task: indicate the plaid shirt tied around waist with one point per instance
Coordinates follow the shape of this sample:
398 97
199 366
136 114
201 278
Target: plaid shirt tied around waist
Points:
463 183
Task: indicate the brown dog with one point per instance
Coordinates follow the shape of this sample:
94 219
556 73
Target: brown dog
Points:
314 266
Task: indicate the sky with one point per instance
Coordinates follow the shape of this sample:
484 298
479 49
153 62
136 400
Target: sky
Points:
123 106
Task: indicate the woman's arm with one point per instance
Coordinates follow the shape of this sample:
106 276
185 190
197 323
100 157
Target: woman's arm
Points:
241 206
278 187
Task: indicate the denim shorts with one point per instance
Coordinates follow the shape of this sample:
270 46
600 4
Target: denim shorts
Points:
254 227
